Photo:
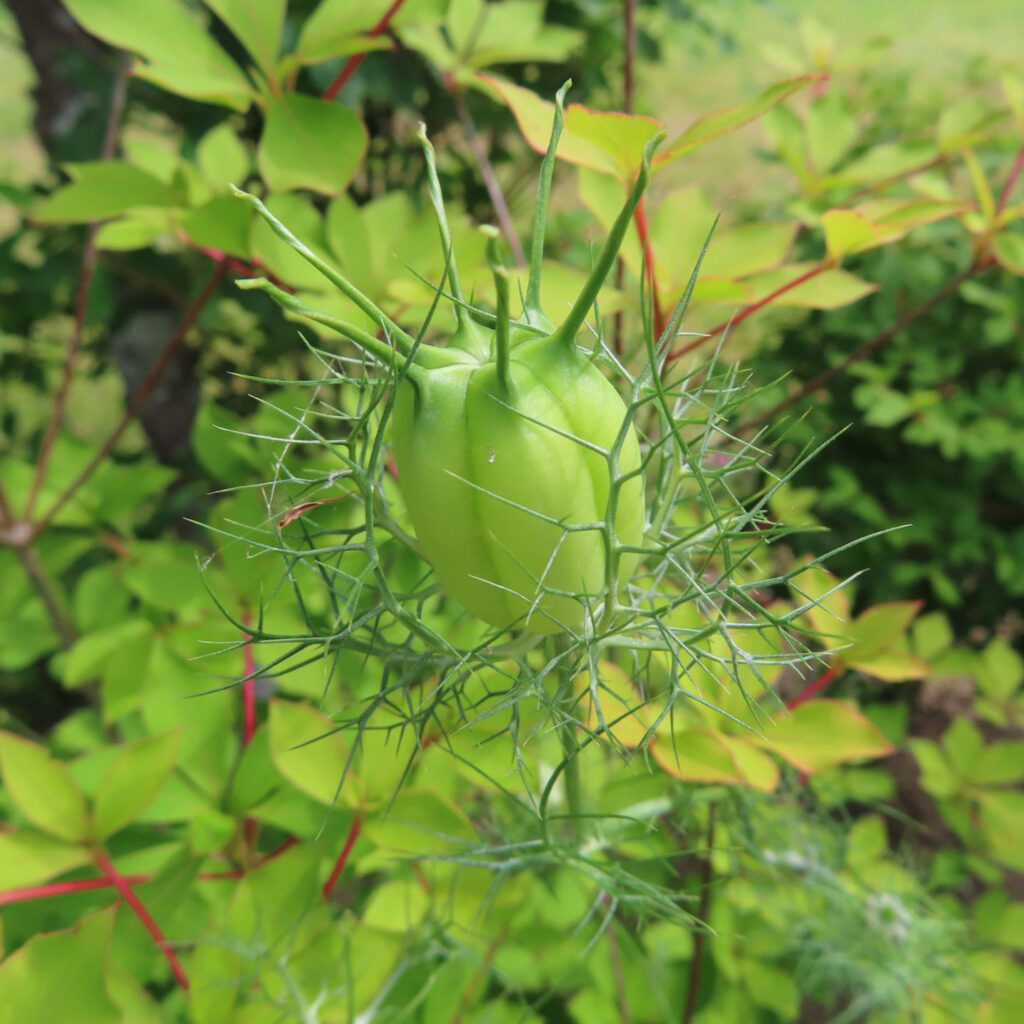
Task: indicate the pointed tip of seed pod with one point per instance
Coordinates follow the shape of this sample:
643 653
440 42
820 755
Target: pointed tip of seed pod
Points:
252 284
560 95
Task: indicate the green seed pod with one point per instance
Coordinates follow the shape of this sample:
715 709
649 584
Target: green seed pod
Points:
517 459
493 472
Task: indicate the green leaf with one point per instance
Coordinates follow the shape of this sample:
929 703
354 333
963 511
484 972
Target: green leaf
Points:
1002 817
257 24
1009 250
878 635
181 53
310 143
398 906
42 788
133 782
608 142
998 764
419 822
60 969
102 189
931 635
91 653
28 858
222 225
748 249
713 126
963 744
309 752
848 232
937 776
136 231
831 130
1001 671
697 755
223 158
824 733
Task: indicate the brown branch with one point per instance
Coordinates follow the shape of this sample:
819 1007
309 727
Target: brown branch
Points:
870 348
501 209
352 64
123 886
629 71
142 396
48 593
750 310
89 260
703 912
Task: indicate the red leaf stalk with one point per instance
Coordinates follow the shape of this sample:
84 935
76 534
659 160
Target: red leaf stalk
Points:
123 886
339 867
352 64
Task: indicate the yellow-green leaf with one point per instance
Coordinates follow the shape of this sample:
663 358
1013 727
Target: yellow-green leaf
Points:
824 733
42 788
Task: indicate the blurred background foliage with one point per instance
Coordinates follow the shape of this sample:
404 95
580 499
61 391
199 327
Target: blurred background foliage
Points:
870 868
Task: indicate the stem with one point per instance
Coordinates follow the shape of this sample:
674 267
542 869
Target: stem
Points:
123 886
566 334
380 350
644 231
437 200
467 335
503 347
1011 182
339 867
570 748
533 313
48 593
629 71
868 349
139 401
615 955
399 337
700 939
752 309
501 209
352 64
252 826
90 257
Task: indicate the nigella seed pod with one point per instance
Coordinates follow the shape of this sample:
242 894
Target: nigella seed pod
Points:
517 459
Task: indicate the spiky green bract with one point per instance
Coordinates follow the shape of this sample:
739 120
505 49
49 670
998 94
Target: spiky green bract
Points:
516 457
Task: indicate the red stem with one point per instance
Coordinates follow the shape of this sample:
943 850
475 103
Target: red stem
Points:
339 867
812 691
352 64
752 309
1011 182
124 887
140 399
644 231
40 892
89 260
